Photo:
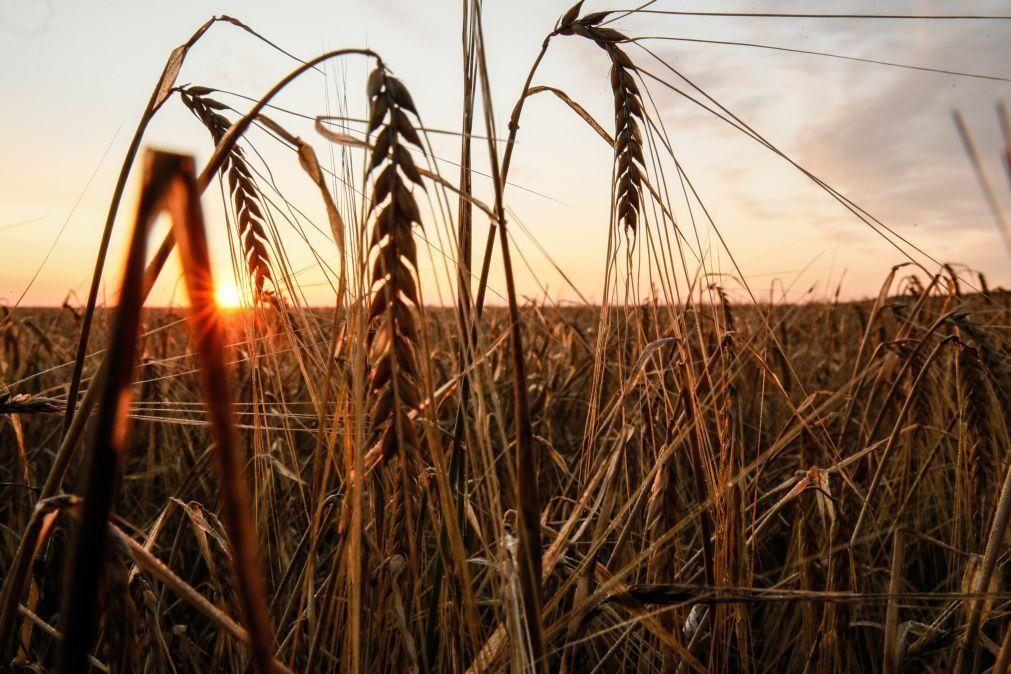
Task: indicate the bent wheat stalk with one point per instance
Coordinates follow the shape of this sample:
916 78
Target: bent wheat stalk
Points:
87 558
170 184
158 97
14 582
161 93
163 574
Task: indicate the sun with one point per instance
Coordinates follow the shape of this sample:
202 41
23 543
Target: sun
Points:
227 296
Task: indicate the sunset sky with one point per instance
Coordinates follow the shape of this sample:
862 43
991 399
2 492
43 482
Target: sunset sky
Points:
77 75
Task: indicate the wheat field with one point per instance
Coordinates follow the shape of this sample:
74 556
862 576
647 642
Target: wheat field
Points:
686 476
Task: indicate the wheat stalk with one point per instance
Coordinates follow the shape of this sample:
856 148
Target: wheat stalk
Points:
170 184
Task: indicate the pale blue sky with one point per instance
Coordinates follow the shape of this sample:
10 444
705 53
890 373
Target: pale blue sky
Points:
76 76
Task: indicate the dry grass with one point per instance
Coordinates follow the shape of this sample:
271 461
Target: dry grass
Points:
684 479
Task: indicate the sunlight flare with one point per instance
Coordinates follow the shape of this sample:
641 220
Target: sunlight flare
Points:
227 296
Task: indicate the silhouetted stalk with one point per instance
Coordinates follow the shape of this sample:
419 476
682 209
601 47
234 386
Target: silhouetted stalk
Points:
527 494
87 558
158 97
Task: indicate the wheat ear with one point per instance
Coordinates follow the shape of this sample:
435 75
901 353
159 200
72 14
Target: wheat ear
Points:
242 186
629 161
393 328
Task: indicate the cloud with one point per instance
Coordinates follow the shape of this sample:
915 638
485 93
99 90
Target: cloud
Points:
881 135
